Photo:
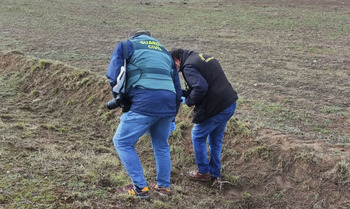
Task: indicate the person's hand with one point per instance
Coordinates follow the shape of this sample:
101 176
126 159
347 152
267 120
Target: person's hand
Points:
186 92
183 100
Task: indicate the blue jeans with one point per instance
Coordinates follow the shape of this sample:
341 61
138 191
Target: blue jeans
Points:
212 128
132 126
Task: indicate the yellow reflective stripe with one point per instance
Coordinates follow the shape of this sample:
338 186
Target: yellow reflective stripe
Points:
210 58
201 56
205 60
146 189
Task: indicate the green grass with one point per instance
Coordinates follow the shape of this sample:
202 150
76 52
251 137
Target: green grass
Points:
287 63
8 85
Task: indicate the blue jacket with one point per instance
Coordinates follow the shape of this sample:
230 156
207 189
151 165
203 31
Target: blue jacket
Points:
150 102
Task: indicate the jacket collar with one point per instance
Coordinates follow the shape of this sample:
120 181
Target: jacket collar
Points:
185 55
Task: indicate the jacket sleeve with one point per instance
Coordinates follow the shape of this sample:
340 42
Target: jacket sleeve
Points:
198 84
117 61
177 85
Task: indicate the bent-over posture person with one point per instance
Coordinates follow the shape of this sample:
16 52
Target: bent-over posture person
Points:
154 95
214 102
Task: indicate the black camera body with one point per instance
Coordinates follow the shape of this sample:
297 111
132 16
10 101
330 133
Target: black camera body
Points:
112 104
120 101
186 92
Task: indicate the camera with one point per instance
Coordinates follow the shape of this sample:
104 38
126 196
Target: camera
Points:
121 101
112 104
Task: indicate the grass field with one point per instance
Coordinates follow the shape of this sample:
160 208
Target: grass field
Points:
286 147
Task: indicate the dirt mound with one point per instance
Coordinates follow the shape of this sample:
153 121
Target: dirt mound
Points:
55 88
56 151
292 172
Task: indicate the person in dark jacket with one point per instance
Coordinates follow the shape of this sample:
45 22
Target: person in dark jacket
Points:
214 101
154 91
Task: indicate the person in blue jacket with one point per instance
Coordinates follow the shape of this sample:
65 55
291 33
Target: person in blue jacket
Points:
154 93
214 101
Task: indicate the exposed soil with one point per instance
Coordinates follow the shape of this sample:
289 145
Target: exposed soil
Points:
288 146
271 170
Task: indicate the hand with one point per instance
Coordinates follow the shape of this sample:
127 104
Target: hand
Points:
183 100
186 92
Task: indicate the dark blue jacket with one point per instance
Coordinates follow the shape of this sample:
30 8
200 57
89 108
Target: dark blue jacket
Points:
211 92
150 102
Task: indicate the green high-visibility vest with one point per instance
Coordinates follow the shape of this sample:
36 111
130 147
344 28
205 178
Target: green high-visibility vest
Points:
150 66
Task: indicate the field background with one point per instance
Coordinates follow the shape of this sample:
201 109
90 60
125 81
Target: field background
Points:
286 147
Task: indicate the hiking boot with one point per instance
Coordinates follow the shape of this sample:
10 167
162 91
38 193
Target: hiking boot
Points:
163 191
195 175
133 190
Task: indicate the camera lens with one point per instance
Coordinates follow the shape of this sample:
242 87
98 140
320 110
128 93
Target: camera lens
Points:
112 104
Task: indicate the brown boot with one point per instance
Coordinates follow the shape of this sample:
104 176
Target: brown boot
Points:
195 175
